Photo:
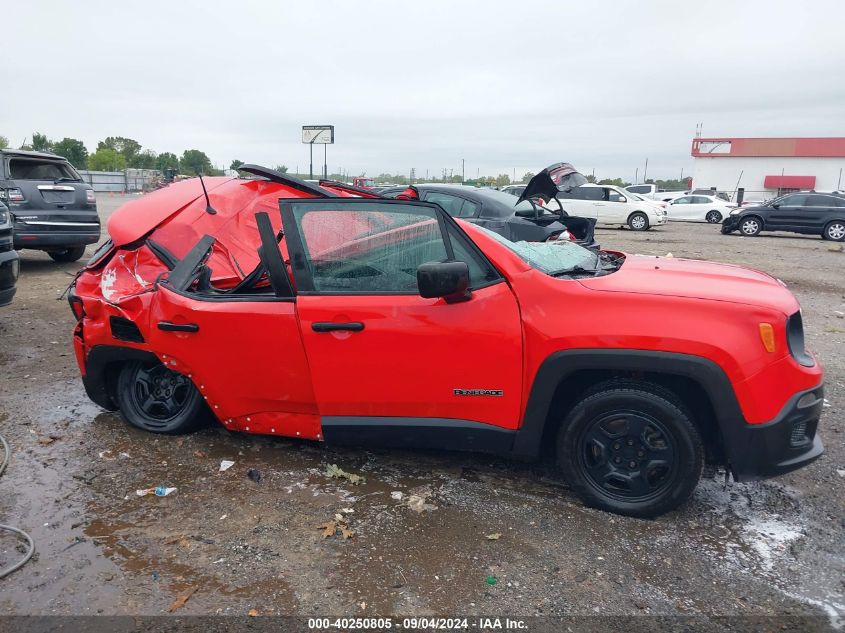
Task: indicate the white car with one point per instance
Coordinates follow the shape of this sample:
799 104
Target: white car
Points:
699 208
611 205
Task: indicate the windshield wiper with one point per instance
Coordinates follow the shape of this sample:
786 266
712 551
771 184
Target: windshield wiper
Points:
575 270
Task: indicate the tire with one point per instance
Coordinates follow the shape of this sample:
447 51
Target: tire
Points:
67 256
713 217
630 448
834 231
750 226
156 399
638 221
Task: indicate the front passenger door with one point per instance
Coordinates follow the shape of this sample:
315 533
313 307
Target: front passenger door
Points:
378 352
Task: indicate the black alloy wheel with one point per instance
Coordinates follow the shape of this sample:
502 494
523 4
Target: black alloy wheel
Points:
157 399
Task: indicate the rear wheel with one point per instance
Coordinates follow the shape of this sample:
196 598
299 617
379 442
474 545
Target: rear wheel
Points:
156 399
835 231
751 226
713 217
638 221
630 449
67 255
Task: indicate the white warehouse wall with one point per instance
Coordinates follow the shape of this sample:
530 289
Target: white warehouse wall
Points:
723 172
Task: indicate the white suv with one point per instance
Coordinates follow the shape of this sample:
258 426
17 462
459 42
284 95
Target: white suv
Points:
611 205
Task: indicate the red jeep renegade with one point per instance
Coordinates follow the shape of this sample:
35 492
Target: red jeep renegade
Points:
293 309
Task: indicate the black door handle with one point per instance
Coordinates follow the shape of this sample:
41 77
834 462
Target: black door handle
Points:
167 326
328 326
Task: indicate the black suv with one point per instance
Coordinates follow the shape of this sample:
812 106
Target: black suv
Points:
52 209
9 264
807 212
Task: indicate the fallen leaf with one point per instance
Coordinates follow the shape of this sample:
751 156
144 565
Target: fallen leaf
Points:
328 528
346 532
199 454
493 537
253 613
181 599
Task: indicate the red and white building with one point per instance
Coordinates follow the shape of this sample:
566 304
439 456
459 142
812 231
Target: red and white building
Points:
767 167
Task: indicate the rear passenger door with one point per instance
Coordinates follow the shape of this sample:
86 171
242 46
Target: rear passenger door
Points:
819 211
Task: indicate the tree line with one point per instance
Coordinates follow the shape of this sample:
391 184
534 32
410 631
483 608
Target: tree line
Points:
116 153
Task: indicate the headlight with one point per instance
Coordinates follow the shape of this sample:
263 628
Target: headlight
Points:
736 211
4 216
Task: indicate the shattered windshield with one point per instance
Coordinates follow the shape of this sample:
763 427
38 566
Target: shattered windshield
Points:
553 258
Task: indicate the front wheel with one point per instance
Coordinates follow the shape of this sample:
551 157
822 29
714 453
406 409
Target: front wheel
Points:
156 399
713 217
750 226
638 221
68 255
629 449
835 231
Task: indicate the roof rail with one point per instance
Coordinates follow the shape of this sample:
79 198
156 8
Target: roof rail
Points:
284 179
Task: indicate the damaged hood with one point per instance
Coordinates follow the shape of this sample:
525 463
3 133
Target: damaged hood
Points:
560 177
675 277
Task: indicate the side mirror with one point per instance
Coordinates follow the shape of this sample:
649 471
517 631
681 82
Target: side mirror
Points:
449 280
775 205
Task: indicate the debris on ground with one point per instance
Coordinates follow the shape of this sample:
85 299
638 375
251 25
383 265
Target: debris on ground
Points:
491 580
48 439
333 471
254 475
158 491
181 599
840 472
417 502
253 613
225 465
493 537
397 495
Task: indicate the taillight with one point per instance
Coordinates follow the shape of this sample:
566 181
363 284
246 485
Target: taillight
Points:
89 196
76 305
14 195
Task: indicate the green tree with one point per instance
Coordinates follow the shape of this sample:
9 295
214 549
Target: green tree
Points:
4 142
591 178
106 159
236 164
618 182
503 180
194 162
145 160
281 169
40 142
127 147
74 150
528 176
167 160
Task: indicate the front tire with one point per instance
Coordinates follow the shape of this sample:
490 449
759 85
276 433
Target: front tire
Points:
713 217
834 231
157 399
68 255
751 226
638 221
630 449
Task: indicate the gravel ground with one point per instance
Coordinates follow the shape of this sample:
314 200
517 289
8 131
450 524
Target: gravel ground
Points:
772 548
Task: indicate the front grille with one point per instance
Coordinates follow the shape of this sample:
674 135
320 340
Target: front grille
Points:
124 330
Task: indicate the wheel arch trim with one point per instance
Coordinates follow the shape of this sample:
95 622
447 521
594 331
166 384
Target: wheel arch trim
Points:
561 365
96 378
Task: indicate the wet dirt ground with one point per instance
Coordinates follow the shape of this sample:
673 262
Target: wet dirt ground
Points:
757 549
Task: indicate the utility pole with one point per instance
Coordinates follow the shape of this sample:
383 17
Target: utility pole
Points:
645 171
637 176
463 171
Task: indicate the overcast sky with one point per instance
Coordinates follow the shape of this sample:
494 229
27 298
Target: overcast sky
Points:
504 85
